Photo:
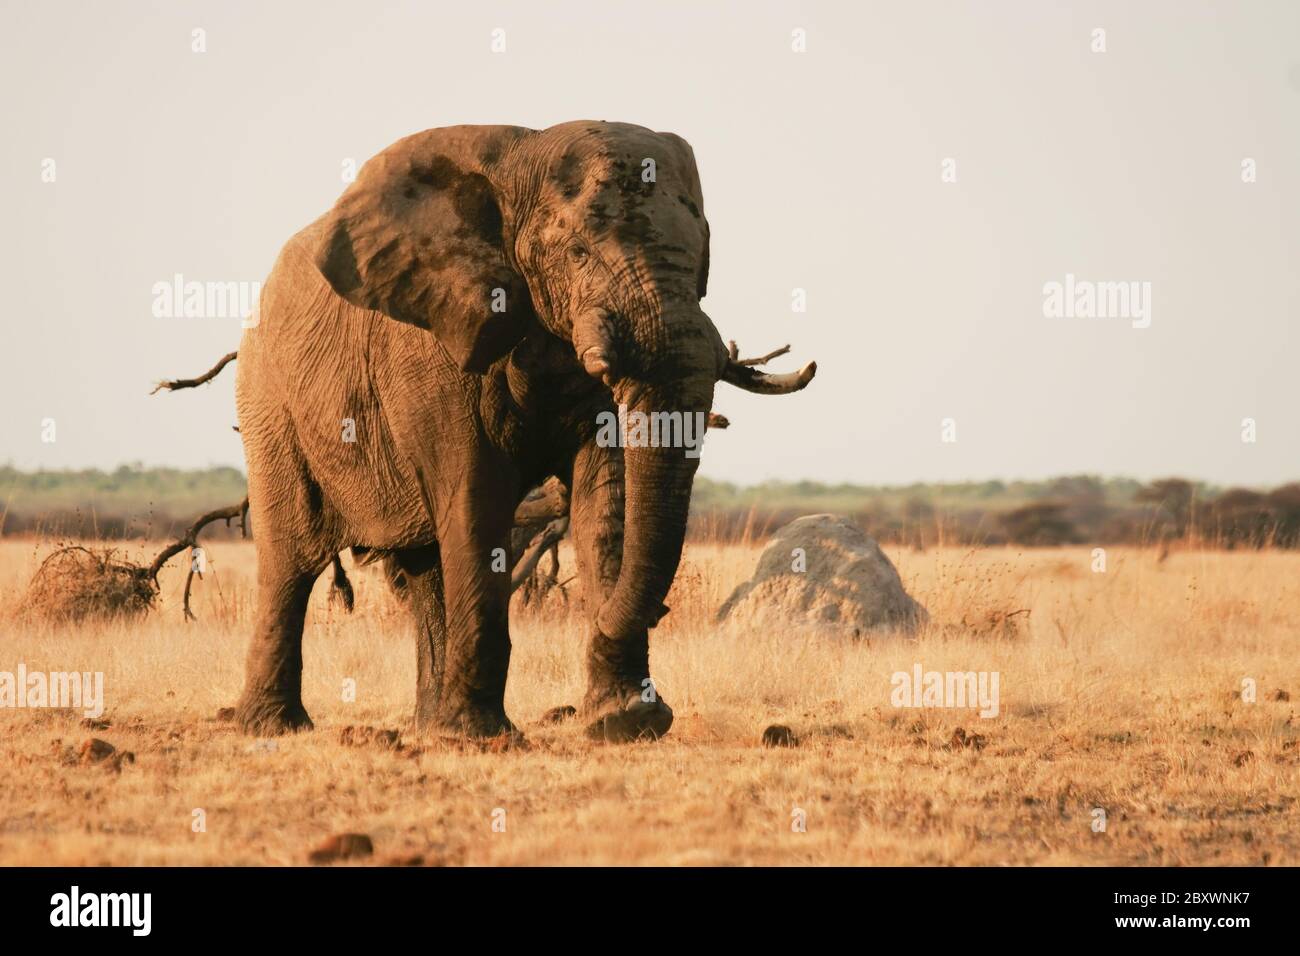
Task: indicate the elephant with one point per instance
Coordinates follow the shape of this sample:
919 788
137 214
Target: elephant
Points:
444 338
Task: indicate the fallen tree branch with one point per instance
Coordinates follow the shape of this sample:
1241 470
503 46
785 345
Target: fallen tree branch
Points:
189 582
550 500
176 384
190 540
549 537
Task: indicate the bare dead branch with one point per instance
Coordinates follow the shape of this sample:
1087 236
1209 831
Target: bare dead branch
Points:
549 537
734 353
189 582
548 501
178 383
190 540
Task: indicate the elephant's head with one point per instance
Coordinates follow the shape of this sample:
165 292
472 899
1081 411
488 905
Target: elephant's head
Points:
594 230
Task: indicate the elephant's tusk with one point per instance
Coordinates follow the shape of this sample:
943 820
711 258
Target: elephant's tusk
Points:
752 380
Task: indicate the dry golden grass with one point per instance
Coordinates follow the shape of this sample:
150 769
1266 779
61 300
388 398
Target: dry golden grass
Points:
1119 690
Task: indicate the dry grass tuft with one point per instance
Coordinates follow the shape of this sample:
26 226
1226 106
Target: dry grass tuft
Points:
76 583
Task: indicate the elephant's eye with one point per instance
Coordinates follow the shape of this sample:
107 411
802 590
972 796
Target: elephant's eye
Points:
578 253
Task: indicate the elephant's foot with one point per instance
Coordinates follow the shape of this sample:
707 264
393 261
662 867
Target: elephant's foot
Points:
264 715
621 703
624 717
467 723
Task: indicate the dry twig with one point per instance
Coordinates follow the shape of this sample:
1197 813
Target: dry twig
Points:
190 540
175 384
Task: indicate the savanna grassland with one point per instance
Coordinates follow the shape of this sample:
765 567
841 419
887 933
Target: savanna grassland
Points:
1120 691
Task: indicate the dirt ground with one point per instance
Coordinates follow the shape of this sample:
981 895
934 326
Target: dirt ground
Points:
1122 734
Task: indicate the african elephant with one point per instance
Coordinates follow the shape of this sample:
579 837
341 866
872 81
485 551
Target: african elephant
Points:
440 341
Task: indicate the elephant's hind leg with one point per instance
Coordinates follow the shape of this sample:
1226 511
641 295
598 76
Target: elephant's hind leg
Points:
420 571
272 699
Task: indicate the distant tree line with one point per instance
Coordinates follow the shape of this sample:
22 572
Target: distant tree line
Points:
1078 509
138 502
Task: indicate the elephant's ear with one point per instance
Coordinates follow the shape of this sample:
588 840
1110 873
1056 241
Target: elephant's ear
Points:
702 280
421 236
693 201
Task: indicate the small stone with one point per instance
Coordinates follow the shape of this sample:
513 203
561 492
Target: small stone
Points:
351 736
363 736
1281 695
118 759
95 750
342 846
961 739
226 715
779 735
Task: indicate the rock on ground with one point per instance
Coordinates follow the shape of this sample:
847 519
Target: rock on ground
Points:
342 846
846 585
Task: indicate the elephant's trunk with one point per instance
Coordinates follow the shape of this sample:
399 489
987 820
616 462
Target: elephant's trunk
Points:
658 497
657 480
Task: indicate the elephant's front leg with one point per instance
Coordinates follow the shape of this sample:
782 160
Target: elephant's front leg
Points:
463 693
621 701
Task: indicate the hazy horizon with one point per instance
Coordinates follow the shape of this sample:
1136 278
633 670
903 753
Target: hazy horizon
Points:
1007 480
822 171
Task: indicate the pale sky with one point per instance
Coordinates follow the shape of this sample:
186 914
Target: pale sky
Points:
821 171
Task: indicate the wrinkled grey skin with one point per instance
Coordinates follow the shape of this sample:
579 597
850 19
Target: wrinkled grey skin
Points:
471 303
